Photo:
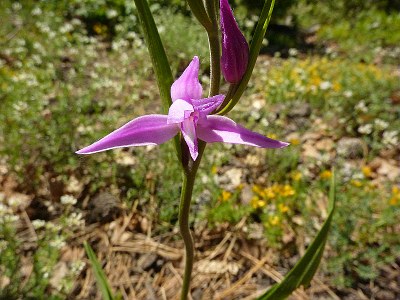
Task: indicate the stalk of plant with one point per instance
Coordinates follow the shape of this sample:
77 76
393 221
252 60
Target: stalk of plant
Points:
191 115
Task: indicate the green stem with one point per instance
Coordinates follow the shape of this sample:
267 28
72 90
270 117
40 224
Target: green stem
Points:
228 97
190 167
189 175
215 52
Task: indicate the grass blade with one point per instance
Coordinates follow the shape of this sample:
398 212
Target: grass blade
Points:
303 272
159 59
101 278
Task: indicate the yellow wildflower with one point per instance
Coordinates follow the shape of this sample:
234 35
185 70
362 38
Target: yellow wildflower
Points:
283 208
325 174
394 201
274 220
356 183
395 195
366 170
269 193
287 191
225 196
396 190
257 202
214 169
336 86
257 189
296 175
294 142
272 136
100 28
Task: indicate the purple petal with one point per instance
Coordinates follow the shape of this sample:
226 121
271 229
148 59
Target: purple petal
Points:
187 86
145 130
189 134
179 111
223 129
206 105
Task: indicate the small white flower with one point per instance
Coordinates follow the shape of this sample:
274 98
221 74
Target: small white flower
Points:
4 210
67 27
8 219
75 219
325 85
68 200
381 124
36 11
348 94
390 138
16 6
362 107
3 245
365 129
293 52
37 224
58 242
77 266
111 13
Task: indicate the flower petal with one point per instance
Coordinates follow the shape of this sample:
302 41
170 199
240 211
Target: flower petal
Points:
206 105
145 130
223 129
187 86
179 111
189 134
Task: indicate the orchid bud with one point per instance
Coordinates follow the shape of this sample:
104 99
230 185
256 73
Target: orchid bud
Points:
235 50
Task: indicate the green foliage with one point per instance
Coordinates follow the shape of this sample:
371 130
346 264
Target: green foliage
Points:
50 237
101 278
363 32
81 71
304 270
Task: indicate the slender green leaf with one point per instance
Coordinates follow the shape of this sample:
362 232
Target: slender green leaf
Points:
199 11
101 278
303 272
159 59
255 47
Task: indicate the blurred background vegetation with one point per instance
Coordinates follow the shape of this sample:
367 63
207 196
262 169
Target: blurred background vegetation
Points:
327 81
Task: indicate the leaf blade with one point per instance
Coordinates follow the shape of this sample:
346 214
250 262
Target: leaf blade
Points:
159 60
304 270
101 278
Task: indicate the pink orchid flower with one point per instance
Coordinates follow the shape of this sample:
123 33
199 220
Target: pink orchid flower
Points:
189 113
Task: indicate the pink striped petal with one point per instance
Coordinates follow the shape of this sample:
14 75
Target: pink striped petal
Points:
206 106
145 130
189 134
187 86
223 129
